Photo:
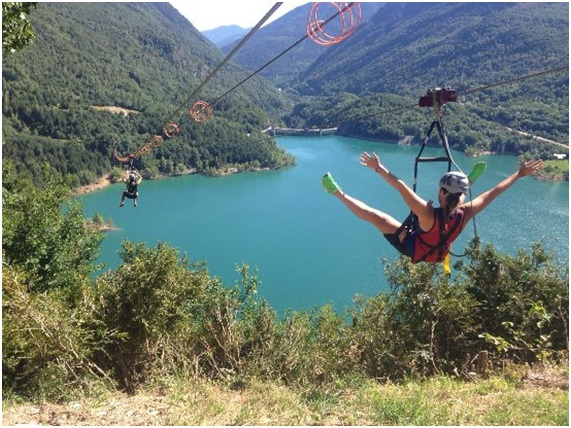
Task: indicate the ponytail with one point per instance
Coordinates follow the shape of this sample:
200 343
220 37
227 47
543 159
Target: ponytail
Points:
452 201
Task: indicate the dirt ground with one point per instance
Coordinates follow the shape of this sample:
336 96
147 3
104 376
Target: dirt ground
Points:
119 410
98 185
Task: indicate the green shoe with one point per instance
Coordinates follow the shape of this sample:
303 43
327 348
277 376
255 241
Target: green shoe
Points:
329 184
477 171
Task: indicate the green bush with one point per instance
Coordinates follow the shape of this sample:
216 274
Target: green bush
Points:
423 326
515 307
55 249
152 303
48 341
234 327
523 302
309 348
157 314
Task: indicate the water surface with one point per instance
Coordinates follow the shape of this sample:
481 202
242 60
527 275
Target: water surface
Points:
308 248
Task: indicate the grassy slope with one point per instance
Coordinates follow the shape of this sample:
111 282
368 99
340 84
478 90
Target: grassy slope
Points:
538 397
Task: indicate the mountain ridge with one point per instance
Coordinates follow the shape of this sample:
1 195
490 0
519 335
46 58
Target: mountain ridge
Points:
147 57
225 35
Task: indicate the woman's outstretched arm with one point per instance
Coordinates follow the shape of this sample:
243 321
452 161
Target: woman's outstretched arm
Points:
416 204
477 205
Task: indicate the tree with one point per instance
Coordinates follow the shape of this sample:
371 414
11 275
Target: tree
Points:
17 31
44 234
98 219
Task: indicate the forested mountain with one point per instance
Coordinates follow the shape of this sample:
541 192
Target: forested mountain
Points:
279 35
408 47
144 59
405 48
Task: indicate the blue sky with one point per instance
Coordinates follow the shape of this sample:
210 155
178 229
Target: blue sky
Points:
207 15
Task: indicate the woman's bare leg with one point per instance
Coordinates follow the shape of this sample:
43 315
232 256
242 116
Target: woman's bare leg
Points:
382 221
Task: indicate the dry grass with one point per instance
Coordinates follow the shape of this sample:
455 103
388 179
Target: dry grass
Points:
535 398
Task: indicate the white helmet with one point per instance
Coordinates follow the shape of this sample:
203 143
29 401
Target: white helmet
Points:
455 182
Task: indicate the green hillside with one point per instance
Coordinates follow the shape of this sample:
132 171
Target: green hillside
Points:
407 48
145 59
401 50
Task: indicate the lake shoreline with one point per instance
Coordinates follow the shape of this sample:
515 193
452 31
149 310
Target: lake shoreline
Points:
101 183
106 180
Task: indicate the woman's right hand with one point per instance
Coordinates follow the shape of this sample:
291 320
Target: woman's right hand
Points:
530 167
369 161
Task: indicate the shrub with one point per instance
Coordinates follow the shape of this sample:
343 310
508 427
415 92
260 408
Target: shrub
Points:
47 342
515 307
523 302
53 247
311 348
423 326
153 304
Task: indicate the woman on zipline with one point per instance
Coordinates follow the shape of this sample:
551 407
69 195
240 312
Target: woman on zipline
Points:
436 228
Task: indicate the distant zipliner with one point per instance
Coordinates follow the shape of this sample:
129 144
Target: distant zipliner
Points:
428 232
132 180
131 177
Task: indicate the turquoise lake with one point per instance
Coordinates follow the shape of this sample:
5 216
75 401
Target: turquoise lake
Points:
308 249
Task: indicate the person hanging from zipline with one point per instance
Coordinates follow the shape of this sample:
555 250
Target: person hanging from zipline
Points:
436 228
132 179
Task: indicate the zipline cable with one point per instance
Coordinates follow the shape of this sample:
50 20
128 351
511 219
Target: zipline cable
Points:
282 53
517 79
471 91
225 60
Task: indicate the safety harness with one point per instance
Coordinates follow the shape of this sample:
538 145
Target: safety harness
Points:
436 99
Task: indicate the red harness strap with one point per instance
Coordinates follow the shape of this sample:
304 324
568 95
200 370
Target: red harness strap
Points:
433 245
